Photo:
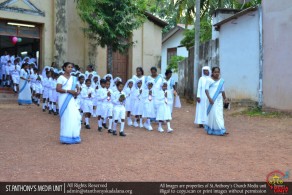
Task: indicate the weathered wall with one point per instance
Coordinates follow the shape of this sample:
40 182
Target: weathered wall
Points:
47 21
76 41
61 29
209 56
277 43
147 49
239 56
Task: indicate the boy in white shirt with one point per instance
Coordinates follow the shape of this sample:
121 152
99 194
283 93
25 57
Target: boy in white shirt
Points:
15 72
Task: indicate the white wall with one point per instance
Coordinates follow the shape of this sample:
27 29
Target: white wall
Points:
277 44
239 56
172 42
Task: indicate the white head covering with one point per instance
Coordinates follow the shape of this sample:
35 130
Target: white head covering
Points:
149 82
206 68
138 81
111 76
26 58
117 79
80 75
128 81
44 75
92 81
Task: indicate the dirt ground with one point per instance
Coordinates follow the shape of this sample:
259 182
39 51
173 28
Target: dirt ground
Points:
30 150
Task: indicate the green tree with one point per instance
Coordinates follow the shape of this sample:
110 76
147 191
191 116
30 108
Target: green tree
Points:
207 8
111 22
174 60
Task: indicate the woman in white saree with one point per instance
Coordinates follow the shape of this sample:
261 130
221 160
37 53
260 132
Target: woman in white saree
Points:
216 94
69 113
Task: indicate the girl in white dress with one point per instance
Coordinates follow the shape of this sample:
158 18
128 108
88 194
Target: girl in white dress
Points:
99 96
202 100
216 95
138 104
38 89
95 85
80 85
107 107
46 85
54 95
129 91
109 78
163 110
70 116
116 80
171 88
148 104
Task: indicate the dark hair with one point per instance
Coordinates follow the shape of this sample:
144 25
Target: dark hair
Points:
35 69
141 69
24 64
76 67
168 71
107 81
102 81
153 68
65 65
87 80
53 63
119 83
90 66
214 68
48 72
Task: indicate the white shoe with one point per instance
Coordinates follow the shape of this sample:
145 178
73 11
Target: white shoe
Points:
141 125
169 130
136 124
146 125
130 123
160 129
150 128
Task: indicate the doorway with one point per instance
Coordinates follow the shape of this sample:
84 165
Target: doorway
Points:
28 36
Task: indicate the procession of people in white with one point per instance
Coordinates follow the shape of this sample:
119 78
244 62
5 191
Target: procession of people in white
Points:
141 101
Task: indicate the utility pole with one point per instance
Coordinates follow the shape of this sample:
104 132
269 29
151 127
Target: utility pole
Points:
197 46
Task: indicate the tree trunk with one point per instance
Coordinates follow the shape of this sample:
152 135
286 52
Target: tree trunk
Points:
197 46
109 59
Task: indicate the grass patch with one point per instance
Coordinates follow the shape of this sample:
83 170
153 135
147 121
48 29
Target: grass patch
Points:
258 112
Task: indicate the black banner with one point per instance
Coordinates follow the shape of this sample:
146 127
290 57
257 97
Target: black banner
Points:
147 188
